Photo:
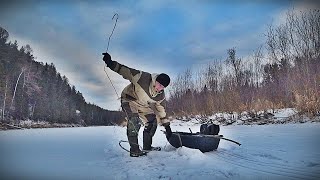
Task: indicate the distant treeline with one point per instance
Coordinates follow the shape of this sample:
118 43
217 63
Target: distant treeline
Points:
284 72
34 90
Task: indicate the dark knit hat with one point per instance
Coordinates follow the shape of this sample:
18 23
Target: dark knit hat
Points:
163 79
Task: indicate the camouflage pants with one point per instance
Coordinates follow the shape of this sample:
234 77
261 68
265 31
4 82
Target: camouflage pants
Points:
136 115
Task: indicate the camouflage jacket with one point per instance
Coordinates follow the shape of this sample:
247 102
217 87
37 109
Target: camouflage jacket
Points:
141 89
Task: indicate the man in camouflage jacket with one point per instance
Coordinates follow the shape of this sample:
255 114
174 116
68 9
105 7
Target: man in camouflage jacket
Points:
143 101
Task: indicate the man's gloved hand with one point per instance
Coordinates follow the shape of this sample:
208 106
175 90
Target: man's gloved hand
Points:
106 57
168 129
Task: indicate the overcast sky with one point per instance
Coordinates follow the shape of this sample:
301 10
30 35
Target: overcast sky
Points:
151 35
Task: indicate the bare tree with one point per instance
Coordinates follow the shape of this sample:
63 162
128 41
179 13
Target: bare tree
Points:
4 100
257 66
283 42
272 45
235 64
15 88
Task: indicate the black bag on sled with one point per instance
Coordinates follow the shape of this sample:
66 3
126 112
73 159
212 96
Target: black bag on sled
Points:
205 140
209 129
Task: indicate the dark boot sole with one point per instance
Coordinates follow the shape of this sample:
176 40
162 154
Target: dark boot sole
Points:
138 155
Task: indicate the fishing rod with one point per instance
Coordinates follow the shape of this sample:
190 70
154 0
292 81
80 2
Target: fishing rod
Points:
116 17
115 24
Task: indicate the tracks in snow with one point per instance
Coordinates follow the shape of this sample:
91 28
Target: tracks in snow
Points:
280 169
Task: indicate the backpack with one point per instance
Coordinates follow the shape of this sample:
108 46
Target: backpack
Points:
209 129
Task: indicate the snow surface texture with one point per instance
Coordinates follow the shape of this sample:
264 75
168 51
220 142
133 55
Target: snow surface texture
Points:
290 151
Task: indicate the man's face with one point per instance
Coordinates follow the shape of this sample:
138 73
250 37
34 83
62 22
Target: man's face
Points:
159 87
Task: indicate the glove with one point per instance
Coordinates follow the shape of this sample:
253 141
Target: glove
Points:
106 57
168 129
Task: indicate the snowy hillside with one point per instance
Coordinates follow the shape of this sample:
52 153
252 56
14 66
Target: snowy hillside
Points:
289 151
276 116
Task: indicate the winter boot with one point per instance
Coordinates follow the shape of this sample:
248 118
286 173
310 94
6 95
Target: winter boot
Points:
134 147
147 141
152 149
137 153
148 133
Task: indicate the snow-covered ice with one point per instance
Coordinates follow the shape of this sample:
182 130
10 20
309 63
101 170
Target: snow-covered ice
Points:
290 151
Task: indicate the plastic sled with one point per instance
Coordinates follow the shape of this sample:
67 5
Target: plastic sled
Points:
204 143
206 140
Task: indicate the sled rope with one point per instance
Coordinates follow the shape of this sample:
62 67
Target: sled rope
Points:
122 141
220 137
